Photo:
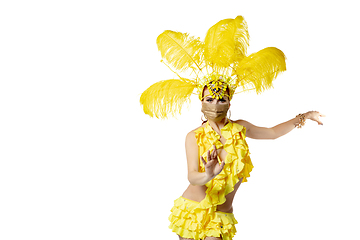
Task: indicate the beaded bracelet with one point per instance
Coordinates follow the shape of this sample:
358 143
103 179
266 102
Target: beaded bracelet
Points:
302 120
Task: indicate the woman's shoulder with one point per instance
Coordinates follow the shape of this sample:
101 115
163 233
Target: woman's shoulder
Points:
193 132
243 123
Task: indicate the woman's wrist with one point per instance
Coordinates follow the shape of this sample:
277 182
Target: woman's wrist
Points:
199 178
208 177
312 115
300 120
307 115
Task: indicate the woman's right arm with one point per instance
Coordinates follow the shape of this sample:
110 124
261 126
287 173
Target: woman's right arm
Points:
212 168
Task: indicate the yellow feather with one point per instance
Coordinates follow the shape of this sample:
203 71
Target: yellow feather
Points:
259 69
180 50
166 97
226 42
241 37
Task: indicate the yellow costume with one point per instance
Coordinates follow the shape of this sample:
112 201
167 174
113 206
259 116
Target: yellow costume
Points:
196 220
221 64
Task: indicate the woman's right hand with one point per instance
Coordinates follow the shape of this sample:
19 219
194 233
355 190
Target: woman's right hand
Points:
212 167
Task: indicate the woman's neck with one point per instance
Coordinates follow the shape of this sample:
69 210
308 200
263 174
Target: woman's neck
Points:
217 126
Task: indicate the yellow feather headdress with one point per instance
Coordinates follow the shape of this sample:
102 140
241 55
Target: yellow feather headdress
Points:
220 63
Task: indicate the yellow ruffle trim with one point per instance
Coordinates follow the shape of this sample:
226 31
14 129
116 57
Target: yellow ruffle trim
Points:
237 162
186 220
189 221
222 224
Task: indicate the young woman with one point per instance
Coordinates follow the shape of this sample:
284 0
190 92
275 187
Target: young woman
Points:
205 209
217 154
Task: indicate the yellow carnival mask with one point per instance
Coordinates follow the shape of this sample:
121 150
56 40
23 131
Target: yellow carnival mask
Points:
220 63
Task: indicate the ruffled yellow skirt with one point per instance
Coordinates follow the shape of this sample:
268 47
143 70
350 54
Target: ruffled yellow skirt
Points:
190 221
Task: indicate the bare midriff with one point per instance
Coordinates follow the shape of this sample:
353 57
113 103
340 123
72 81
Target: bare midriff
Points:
198 193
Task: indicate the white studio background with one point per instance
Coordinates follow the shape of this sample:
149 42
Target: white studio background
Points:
80 160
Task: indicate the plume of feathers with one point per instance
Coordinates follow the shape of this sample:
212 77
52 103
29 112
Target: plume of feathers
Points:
258 70
180 50
166 97
226 42
223 52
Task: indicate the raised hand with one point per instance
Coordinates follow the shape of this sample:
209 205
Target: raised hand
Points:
212 167
314 115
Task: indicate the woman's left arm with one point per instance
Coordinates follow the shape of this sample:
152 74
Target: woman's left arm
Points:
277 131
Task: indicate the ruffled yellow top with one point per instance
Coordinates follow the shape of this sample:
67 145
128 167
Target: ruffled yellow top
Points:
237 162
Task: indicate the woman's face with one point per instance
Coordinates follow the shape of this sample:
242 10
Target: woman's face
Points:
210 99
214 109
